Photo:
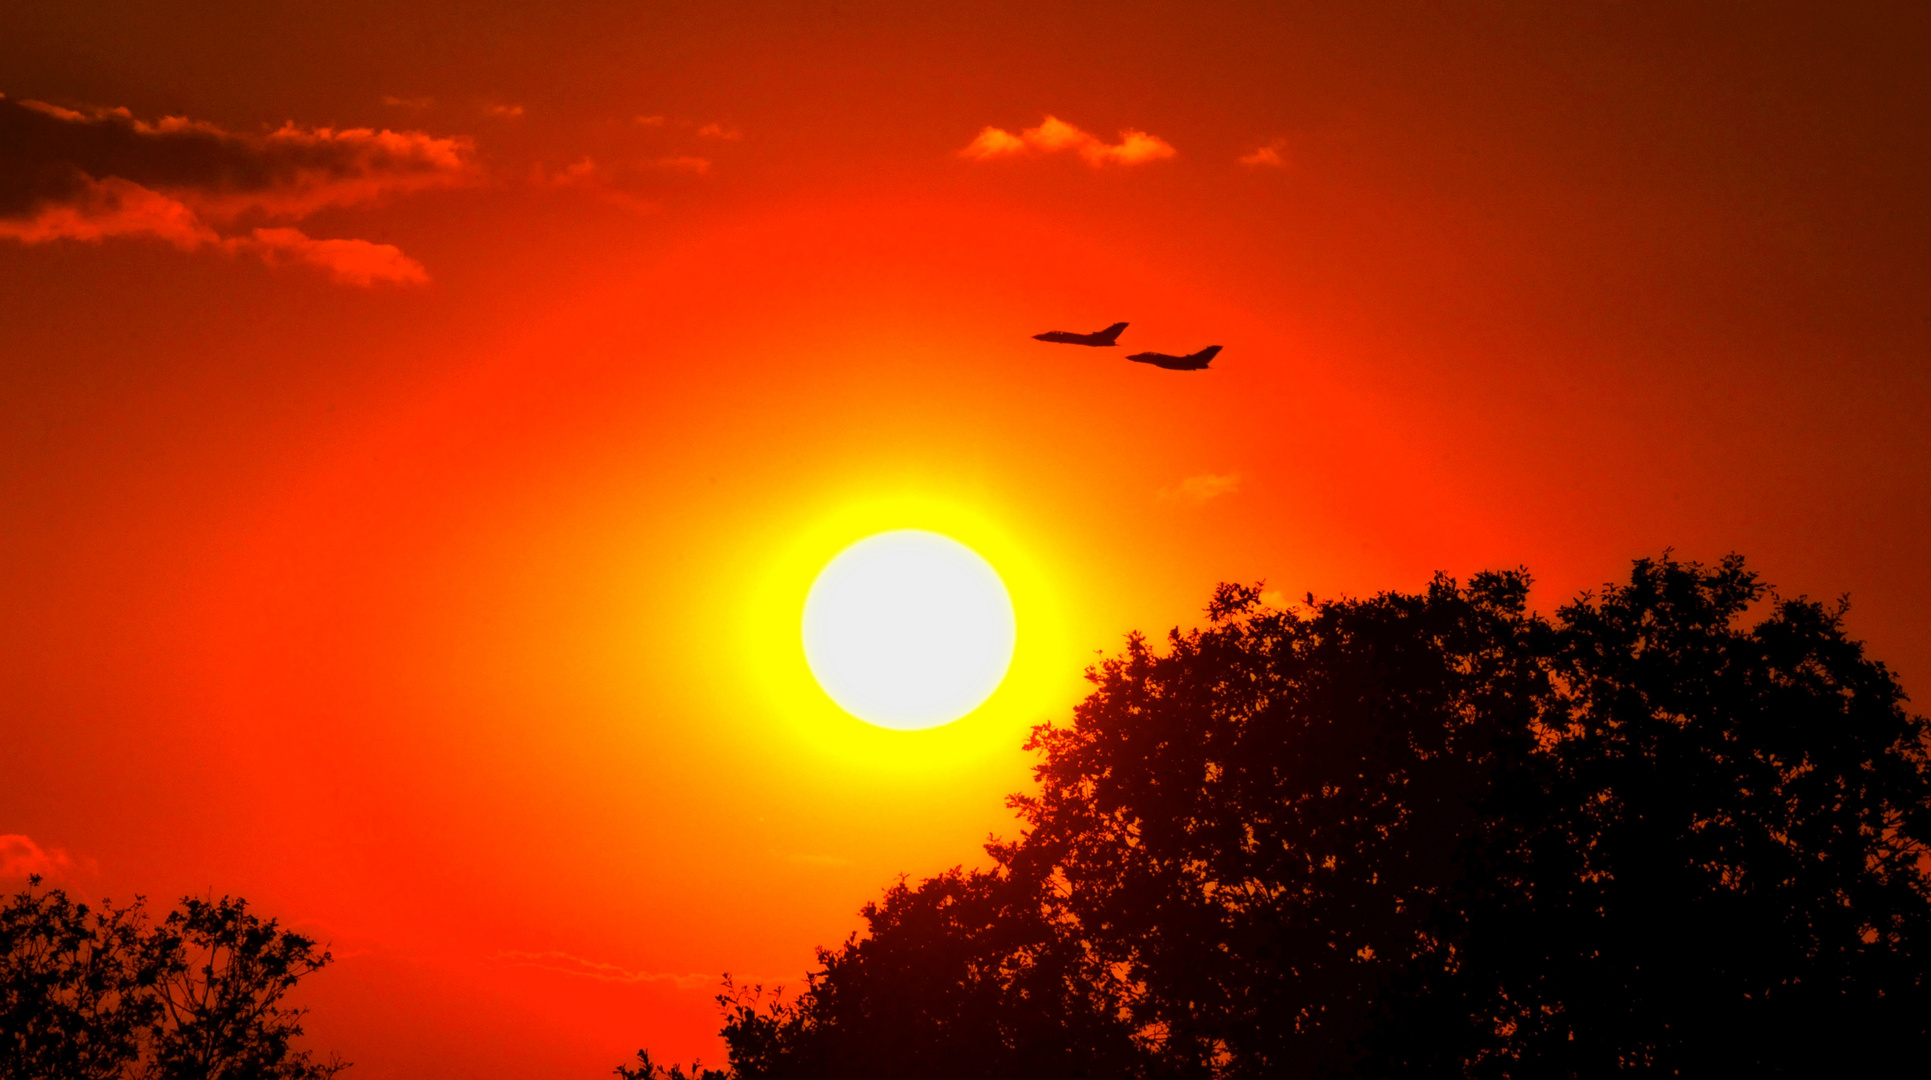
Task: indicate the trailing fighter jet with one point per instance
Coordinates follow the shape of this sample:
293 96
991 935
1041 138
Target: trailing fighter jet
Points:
1192 362
1107 336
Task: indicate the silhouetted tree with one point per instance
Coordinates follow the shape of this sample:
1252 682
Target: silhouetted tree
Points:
223 975
1712 863
965 975
1255 824
1424 834
94 995
76 988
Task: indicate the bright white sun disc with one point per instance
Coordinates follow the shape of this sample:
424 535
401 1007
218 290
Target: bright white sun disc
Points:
908 629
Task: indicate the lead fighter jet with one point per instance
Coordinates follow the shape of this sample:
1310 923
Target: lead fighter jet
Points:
1108 336
1191 362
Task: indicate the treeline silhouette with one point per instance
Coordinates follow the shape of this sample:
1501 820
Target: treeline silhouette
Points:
1432 835
106 994
1421 835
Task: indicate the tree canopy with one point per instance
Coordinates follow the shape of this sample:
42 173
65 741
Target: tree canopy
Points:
104 994
1423 834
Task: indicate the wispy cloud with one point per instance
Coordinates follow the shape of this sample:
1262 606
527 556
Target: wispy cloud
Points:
719 131
615 186
581 173
1053 135
68 174
653 121
567 964
994 143
1203 487
352 262
20 857
90 209
1273 155
504 112
684 163
417 103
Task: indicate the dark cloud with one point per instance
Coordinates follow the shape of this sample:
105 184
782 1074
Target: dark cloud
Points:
87 175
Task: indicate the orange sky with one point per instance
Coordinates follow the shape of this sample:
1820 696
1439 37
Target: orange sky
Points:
422 566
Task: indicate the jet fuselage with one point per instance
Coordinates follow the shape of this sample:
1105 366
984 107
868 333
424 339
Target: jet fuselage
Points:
1191 362
1108 336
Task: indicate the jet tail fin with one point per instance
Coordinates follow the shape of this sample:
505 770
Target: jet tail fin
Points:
1111 333
1206 355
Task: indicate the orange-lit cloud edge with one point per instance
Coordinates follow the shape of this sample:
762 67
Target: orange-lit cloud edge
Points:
105 173
1054 135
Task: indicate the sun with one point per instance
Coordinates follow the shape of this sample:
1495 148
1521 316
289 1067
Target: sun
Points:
908 629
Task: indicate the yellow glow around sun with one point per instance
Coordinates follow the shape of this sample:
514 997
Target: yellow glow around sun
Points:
1040 683
908 629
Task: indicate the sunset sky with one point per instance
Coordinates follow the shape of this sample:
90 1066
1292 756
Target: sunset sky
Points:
420 423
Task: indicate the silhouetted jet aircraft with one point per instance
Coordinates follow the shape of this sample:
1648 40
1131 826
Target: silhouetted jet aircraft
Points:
1107 336
1192 362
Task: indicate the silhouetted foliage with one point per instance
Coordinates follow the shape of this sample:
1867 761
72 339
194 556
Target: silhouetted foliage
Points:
1713 864
1428 834
646 1069
75 988
963 976
102 995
